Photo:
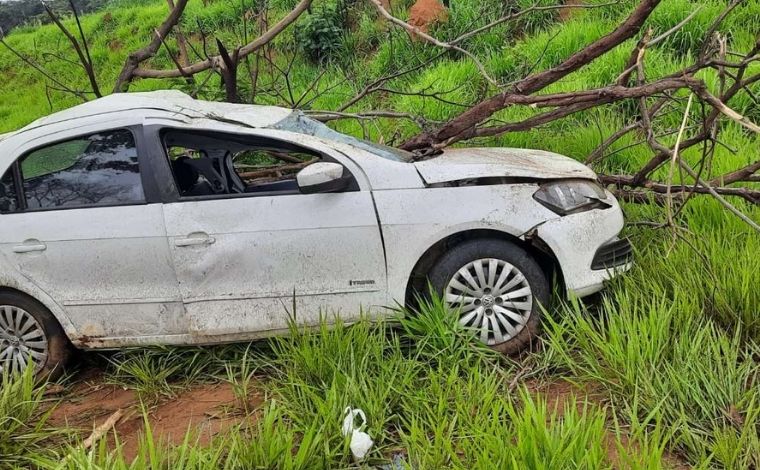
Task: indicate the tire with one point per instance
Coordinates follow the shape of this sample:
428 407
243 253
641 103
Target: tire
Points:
481 304
41 341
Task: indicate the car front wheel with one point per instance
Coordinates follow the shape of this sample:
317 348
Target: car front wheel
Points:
496 288
30 337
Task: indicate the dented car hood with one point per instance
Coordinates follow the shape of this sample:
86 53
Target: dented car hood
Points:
467 163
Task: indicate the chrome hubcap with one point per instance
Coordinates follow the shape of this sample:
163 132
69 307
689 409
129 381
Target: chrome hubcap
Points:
492 297
22 341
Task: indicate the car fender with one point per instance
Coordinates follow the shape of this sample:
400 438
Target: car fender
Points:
414 220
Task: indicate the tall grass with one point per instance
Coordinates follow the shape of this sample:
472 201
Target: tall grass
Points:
152 453
158 372
677 386
674 341
24 432
433 399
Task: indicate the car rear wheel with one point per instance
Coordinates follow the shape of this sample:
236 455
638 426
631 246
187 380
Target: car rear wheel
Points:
496 288
30 337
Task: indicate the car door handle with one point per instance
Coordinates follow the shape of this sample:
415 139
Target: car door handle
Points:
30 246
195 239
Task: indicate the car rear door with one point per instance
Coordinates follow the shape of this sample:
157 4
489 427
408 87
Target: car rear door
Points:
246 263
81 228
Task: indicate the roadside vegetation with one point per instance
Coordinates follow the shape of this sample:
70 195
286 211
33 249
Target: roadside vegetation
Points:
662 371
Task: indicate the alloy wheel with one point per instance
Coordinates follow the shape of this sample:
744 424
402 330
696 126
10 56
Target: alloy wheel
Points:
492 297
22 341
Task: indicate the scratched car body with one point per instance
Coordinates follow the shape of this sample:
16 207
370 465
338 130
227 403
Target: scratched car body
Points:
153 218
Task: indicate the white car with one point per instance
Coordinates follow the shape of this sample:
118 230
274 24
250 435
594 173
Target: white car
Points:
152 218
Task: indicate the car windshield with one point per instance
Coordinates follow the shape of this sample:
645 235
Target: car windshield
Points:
297 122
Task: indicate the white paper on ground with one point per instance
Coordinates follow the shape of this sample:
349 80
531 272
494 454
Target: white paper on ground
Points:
361 443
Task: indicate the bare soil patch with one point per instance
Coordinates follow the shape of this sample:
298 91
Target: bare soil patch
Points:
560 394
206 410
567 14
425 13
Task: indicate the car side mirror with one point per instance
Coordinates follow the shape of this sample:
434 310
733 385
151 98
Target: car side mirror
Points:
323 177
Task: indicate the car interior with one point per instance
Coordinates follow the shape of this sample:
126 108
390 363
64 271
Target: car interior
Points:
206 164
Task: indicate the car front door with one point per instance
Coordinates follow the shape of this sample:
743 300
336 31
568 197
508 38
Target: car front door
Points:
251 251
76 222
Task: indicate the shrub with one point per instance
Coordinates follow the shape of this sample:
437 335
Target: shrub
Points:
320 37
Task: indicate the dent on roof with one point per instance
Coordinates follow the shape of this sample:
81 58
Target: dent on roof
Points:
172 101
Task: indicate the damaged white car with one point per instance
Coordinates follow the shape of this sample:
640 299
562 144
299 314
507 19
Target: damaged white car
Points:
153 218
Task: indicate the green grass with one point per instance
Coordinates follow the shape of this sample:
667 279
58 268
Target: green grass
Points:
664 385
24 434
670 354
158 372
433 402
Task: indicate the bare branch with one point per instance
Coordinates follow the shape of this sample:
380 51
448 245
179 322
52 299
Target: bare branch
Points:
84 56
41 70
746 173
327 116
136 58
174 59
214 61
467 121
623 182
376 85
532 9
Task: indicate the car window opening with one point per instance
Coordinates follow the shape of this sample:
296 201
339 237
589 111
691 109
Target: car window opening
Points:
208 164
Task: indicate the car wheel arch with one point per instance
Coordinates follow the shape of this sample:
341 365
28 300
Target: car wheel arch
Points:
48 303
534 246
46 328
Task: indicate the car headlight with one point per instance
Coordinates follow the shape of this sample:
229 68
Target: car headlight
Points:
570 197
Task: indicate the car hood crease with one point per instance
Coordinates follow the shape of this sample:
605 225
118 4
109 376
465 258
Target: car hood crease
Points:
468 163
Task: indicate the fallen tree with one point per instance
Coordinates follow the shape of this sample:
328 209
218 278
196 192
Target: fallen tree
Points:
632 84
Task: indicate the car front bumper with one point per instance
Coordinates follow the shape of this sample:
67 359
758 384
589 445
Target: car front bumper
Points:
587 247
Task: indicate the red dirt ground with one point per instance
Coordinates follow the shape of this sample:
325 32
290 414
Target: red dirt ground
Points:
207 409
425 13
212 409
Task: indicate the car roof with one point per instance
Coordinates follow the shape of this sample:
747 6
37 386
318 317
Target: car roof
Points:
171 101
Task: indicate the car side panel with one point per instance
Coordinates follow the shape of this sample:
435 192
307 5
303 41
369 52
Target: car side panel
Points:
108 267
414 220
325 249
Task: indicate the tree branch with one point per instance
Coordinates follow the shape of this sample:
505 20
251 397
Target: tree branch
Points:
465 122
214 61
84 56
136 58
